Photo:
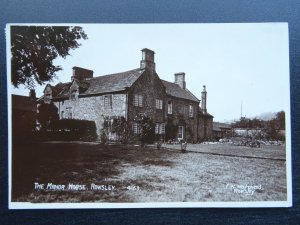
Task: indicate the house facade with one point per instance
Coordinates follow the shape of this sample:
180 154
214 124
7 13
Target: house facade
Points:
175 111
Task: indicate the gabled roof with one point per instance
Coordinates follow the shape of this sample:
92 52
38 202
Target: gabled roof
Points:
23 103
176 91
98 85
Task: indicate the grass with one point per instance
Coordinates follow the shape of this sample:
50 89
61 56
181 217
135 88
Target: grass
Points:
152 175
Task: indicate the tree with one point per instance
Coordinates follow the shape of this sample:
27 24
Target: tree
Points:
114 125
47 115
120 126
280 117
34 48
146 128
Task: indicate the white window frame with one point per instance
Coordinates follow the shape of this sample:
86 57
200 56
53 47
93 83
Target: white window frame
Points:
107 101
136 128
180 131
157 128
158 103
191 111
69 114
160 128
138 100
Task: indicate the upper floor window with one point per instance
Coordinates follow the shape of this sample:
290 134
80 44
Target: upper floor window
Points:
138 100
170 107
191 111
186 110
158 104
107 102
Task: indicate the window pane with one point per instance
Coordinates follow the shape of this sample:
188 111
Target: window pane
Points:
136 100
157 128
158 104
162 128
140 100
191 112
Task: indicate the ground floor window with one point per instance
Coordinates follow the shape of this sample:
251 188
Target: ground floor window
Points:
136 128
68 113
159 128
180 132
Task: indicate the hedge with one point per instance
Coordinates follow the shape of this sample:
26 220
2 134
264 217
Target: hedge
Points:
69 130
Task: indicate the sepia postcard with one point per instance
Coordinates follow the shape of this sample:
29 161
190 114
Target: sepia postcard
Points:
148 115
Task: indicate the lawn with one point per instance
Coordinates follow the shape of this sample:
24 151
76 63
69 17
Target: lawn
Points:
132 174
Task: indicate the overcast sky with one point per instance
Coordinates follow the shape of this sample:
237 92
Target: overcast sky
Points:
244 64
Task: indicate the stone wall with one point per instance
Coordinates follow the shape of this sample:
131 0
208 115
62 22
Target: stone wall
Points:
151 88
92 108
205 127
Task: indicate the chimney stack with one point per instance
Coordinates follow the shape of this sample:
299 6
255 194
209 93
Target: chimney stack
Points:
81 73
203 101
32 94
180 79
147 61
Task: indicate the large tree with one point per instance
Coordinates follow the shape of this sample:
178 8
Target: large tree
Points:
34 48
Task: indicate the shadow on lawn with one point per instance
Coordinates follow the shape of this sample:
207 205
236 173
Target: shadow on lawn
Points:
84 164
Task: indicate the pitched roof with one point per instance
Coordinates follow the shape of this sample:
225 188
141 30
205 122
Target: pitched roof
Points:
201 113
178 92
23 103
219 126
117 82
112 82
101 84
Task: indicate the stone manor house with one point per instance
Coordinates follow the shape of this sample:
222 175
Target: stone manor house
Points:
172 107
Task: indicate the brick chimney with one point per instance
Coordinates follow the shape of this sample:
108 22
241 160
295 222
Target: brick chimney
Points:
147 61
81 73
203 101
180 79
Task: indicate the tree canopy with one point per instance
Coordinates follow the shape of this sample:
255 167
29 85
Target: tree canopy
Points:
34 48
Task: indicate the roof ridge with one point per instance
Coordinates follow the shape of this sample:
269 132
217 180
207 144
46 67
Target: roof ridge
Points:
105 75
186 91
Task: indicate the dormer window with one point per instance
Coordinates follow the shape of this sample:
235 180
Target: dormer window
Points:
74 94
47 94
47 98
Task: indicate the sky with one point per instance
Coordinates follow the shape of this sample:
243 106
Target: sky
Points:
241 64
